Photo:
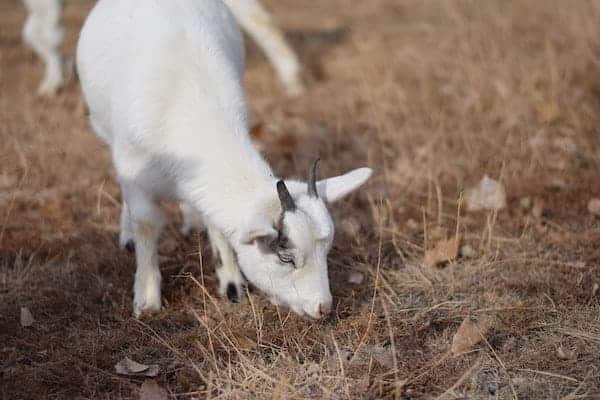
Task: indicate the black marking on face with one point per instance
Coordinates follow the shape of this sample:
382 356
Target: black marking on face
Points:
130 246
232 293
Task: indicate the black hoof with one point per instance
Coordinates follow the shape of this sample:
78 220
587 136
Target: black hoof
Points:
232 293
130 246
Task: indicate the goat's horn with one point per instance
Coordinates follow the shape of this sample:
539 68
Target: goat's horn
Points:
312 180
287 202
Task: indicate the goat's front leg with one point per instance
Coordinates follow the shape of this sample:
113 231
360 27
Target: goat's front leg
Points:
229 274
147 220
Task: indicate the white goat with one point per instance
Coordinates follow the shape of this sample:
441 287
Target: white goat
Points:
163 82
44 33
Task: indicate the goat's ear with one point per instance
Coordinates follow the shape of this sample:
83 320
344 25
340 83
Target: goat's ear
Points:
333 189
259 229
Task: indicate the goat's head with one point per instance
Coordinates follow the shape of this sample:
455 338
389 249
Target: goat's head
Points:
286 256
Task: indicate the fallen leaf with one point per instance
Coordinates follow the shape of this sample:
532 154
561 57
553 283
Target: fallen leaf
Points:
26 317
129 367
469 334
243 342
150 390
443 252
487 195
594 207
356 278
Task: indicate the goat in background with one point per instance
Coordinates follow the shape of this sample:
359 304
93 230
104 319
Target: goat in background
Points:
44 34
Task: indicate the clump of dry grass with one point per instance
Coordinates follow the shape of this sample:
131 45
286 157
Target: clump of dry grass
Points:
433 95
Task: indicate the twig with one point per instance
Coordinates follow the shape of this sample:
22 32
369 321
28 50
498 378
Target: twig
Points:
371 312
512 388
534 371
461 380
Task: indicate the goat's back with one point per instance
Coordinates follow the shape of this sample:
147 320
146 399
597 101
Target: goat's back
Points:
149 68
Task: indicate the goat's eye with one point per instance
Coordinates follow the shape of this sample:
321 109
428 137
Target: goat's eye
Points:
286 257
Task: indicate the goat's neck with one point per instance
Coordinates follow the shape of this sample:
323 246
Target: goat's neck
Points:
228 187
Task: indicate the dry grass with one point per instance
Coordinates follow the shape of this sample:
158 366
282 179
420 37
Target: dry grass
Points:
433 95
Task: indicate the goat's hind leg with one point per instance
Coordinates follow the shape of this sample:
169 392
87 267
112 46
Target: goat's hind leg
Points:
259 24
44 34
230 277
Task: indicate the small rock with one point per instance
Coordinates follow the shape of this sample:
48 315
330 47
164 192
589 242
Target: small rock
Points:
594 207
487 195
26 317
356 278
525 202
563 355
467 251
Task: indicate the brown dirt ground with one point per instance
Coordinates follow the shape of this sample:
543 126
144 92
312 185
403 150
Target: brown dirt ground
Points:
432 95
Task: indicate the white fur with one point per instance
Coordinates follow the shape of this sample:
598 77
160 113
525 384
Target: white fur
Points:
43 33
260 26
163 82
